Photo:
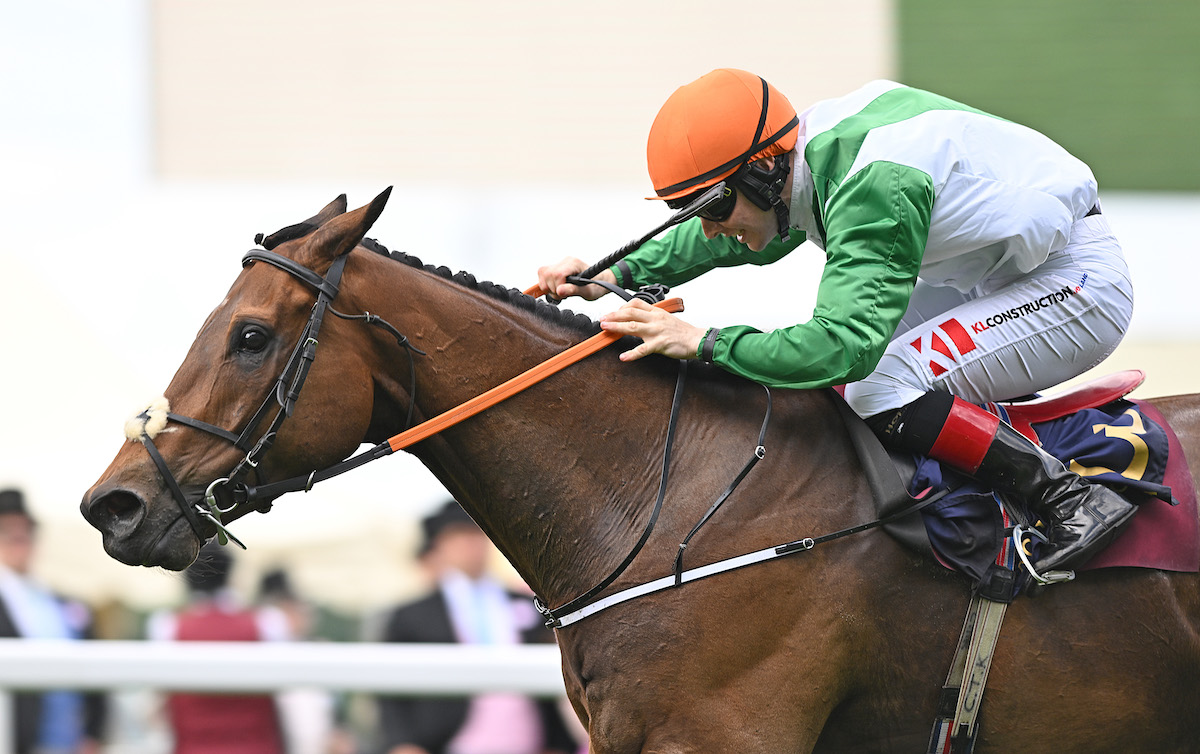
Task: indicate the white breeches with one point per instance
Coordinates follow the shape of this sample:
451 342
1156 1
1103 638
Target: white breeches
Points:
1010 340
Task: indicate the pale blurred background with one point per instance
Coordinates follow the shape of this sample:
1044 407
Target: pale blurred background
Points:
143 143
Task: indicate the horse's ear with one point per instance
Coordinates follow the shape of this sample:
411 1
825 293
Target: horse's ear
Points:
299 230
333 209
344 231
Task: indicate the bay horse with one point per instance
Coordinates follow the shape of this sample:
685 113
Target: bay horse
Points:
838 649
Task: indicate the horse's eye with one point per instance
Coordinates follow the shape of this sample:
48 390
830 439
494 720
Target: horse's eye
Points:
254 339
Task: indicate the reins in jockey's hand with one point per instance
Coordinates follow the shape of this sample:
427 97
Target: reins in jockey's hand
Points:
652 294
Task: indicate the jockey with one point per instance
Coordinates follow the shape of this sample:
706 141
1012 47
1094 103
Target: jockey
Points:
967 262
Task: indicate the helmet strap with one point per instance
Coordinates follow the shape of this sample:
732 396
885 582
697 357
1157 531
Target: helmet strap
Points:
764 188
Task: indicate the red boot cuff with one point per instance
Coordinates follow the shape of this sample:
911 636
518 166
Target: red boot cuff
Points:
965 437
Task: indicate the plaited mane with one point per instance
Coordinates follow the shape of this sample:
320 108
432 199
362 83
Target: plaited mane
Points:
512 296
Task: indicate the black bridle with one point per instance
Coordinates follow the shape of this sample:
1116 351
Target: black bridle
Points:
239 497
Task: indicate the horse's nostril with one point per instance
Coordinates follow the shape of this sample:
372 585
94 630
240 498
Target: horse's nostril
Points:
115 511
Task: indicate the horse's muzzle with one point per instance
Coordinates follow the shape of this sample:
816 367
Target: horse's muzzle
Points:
115 513
134 537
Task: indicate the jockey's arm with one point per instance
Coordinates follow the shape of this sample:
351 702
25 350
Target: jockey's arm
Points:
877 222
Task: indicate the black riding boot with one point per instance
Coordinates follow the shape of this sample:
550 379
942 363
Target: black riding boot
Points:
1082 517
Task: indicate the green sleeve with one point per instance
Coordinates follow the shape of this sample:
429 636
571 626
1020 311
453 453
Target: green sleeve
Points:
683 253
877 224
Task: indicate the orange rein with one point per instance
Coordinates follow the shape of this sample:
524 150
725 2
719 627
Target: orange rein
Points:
510 388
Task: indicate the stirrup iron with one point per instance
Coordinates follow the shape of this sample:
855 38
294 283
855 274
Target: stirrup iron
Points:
1020 534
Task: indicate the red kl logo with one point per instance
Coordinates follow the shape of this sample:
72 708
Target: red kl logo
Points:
940 356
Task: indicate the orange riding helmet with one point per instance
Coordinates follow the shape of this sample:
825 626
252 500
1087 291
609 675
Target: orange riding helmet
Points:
710 128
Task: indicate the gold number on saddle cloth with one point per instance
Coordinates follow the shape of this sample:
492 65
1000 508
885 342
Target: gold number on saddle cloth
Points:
1131 434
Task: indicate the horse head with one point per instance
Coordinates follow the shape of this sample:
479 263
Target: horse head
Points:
234 414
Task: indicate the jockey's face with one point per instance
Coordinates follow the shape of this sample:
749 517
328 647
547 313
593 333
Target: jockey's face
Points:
747 223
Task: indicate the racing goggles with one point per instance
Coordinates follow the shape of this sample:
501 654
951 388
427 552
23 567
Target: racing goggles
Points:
718 211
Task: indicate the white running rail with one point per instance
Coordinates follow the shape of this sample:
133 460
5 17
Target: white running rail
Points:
258 667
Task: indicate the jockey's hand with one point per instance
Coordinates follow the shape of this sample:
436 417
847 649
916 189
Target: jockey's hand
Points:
660 331
553 280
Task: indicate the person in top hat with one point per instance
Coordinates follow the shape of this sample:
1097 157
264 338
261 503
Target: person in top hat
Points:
56 722
466 605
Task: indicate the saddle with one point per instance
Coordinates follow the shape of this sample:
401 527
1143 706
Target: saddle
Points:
1101 391
969 529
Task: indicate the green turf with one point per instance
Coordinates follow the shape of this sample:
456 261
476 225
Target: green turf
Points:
1116 83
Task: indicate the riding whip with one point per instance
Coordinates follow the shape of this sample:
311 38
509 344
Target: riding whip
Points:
715 192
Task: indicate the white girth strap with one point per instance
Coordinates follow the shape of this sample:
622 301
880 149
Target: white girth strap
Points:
957 721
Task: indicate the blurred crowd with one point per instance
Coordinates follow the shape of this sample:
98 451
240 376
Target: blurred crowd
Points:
463 601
